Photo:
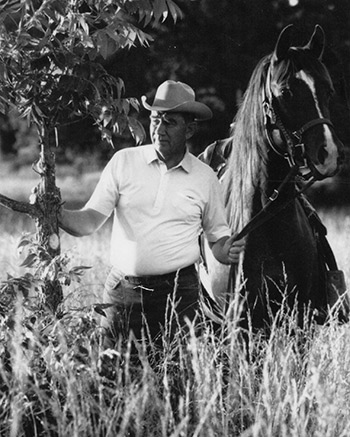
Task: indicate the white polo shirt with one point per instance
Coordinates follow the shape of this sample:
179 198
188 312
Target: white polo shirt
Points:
158 213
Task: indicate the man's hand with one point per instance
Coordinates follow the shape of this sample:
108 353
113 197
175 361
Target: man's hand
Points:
234 249
226 250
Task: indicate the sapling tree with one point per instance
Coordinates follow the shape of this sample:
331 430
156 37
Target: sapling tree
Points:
51 70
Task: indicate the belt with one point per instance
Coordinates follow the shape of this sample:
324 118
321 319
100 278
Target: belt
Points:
154 279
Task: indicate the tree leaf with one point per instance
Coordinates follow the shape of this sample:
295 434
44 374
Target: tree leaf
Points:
137 130
30 260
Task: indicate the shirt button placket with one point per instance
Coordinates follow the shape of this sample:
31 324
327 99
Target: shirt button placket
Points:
162 188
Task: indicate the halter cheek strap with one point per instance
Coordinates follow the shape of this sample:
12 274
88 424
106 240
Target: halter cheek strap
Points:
295 153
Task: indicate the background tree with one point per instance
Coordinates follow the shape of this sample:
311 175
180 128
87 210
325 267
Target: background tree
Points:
51 70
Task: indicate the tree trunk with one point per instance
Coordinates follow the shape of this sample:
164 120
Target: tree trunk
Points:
43 207
47 199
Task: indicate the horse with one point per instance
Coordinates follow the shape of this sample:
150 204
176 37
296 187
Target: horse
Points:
281 141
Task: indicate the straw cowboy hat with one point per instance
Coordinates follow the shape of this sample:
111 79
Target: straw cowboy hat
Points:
174 96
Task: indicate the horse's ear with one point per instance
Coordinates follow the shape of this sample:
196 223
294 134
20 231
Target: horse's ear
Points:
317 42
283 44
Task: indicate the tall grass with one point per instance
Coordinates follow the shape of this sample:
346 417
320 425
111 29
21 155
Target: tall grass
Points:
53 383
56 381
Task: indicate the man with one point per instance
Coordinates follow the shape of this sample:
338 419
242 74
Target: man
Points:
162 198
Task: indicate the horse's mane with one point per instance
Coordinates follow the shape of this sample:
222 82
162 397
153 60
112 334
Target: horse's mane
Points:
246 167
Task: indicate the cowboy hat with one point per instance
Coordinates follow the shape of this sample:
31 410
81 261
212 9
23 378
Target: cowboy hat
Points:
174 96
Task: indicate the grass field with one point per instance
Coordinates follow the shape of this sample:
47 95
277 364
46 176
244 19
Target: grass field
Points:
51 382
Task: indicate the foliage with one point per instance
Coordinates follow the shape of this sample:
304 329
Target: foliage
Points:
51 55
43 268
215 49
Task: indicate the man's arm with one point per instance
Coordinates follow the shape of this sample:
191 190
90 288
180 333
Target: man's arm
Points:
226 250
80 222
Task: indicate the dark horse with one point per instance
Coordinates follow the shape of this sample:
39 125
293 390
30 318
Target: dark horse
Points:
281 135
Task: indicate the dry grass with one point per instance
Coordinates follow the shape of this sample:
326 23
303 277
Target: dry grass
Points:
51 382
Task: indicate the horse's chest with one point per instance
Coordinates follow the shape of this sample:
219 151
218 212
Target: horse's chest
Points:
283 250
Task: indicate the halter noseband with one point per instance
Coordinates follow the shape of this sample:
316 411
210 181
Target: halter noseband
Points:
295 154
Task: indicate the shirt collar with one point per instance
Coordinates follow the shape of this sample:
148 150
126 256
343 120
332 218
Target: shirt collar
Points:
151 156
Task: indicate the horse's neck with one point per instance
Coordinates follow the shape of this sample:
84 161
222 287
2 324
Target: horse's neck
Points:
253 184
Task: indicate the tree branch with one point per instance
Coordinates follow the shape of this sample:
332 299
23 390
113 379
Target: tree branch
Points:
15 205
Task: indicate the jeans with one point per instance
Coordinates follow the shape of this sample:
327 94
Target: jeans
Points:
152 310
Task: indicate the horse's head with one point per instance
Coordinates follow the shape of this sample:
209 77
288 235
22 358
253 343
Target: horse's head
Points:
296 106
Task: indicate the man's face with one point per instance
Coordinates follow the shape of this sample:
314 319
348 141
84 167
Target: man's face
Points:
169 132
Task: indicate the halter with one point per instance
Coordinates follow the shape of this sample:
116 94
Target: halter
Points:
295 154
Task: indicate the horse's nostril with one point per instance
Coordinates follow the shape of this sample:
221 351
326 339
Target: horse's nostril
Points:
322 155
